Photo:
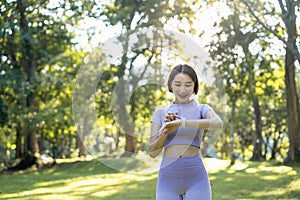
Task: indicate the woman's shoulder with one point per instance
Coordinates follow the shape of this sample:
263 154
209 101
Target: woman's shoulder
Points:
159 115
203 108
162 109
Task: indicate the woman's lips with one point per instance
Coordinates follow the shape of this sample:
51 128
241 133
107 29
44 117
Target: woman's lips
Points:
183 96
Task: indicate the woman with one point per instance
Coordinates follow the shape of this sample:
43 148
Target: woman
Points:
178 130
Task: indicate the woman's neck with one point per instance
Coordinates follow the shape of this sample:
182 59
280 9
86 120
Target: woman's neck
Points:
187 102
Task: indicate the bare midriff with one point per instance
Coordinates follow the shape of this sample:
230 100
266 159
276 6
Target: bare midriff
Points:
181 151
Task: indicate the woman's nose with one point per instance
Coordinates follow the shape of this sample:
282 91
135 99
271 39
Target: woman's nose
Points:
182 89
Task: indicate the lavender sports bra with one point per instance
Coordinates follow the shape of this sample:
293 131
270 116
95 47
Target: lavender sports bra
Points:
186 135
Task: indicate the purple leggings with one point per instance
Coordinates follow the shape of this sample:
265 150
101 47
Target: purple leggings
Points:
183 178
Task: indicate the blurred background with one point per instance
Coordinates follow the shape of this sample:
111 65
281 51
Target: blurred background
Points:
254 46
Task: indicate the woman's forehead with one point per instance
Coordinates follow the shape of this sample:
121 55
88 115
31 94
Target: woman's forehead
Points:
181 77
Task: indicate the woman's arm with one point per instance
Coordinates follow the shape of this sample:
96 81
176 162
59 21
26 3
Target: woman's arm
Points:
159 133
157 139
159 136
211 121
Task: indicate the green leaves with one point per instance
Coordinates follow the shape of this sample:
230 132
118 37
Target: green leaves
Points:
38 66
252 71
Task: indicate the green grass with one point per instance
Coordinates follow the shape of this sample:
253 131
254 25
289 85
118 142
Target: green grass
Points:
253 180
94 180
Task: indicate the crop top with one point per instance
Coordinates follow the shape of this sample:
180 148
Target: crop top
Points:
187 135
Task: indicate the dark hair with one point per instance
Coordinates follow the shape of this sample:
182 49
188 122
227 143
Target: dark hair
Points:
184 69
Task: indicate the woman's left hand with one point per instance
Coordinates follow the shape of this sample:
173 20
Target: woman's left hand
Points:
172 125
170 116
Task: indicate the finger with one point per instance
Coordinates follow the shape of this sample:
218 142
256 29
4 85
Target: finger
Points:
172 116
177 117
168 116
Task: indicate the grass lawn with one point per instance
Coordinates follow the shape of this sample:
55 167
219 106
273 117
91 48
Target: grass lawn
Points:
94 180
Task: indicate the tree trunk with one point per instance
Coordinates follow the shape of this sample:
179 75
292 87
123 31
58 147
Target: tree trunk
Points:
128 125
123 118
28 61
13 57
289 18
292 109
258 139
18 150
118 137
70 142
130 146
32 143
80 145
232 155
80 139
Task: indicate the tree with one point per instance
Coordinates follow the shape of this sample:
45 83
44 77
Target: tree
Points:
34 36
244 63
133 16
289 17
244 54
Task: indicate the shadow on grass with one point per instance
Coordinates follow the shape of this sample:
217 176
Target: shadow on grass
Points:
130 189
77 180
256 180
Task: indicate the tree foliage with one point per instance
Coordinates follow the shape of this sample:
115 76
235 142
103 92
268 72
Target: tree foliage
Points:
252 73
38 63
288 34
40 59
133 16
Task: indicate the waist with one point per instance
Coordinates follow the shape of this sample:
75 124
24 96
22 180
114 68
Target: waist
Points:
181 151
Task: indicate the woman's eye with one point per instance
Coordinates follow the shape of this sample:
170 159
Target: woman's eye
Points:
177 85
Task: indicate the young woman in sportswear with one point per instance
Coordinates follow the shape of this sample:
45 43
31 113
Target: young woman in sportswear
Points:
178 130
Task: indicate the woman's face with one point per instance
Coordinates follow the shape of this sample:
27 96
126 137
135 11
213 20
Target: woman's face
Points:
183 88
